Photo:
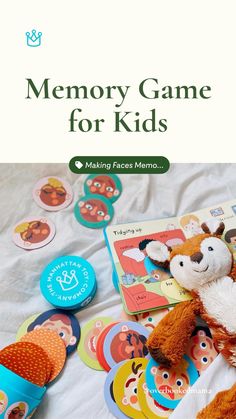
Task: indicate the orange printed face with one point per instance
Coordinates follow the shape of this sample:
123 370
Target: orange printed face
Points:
128 345
131 387
90 341
103 185
172 383
52 196
94 210
201 350
36 232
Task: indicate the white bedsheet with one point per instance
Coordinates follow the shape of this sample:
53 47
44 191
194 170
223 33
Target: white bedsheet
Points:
78 393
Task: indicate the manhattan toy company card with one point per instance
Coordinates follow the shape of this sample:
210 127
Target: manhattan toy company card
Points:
144 286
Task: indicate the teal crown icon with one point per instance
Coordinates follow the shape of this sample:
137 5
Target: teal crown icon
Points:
33 39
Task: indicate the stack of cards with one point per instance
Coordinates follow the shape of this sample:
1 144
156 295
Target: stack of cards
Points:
26 367
140 388
52 194
95 209
136 386
35 360
104 342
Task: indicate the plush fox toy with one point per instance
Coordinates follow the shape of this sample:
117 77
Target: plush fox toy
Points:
203 265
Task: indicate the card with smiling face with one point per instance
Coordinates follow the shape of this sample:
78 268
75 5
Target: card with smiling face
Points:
109 393
62 322
125 387
87 347
33 232
201 349
108 186
169 386
52 193
126 340
149 406
94 211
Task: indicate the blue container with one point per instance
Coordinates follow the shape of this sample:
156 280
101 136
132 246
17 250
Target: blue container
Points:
18 397
69 283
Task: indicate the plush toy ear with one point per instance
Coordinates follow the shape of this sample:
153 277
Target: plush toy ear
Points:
159 253
213 226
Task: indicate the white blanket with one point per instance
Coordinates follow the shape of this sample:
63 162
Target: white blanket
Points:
78 392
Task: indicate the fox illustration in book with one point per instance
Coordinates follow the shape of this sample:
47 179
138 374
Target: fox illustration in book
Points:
204 265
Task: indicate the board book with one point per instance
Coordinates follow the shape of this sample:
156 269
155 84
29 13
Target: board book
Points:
143 285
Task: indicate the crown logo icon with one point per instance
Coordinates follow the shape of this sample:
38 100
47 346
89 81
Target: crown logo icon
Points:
68 281
33 39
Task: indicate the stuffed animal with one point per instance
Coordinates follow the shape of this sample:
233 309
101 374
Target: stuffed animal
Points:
203 265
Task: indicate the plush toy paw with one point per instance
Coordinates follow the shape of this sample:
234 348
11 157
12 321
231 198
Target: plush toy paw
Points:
159 357
223 406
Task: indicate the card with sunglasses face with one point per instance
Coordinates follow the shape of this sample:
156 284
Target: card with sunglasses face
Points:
33 232
52 193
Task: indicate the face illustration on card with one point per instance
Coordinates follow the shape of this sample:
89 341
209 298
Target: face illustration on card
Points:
52 193
168 386
191 224
125 387
63 323
33 233
108 186
149 406
126 340
152 318
94 211
230 237
201 349
146 319
88 342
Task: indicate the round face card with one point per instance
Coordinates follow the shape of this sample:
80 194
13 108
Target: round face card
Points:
108 186
28 360
109 393
94 211
148 405
52 345
33 233
125 387
149 319
99 346
62 322
201 349
52 193
126 340
168 386
88 342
